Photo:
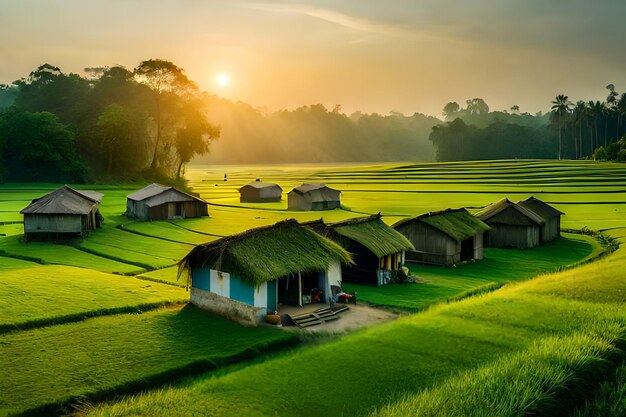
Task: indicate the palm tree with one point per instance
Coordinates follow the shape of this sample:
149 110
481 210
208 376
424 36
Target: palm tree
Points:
579 118
611 104
621 112
560 107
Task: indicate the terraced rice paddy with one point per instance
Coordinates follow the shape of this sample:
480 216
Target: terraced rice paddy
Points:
434 352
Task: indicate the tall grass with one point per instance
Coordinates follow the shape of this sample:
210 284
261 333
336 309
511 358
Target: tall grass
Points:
547 379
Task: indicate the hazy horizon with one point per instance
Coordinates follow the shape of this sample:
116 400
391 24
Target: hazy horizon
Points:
406 56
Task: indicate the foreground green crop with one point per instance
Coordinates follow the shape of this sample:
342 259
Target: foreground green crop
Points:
390 363
45 368
41 295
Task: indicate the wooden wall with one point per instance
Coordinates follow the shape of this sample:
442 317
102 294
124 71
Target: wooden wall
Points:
508 236
551 230
53 223
431 245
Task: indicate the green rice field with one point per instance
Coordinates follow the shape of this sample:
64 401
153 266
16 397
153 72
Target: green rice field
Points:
89 319
108 353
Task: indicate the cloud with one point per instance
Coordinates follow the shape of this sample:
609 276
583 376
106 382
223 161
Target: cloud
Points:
358 24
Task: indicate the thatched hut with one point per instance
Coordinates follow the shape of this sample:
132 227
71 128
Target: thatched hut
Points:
313 196
444 237
160 202
377 249
246 275
260 192
64 212
551 229
512 225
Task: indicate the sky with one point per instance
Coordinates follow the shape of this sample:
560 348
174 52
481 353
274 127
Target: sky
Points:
373 56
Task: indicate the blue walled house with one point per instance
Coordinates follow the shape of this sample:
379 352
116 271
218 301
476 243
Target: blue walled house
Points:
245 276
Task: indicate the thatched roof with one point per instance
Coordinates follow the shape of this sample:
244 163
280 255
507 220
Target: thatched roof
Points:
317 191
492 209
543 210
373 233
459 224
261 185
267 253
153 190
64 200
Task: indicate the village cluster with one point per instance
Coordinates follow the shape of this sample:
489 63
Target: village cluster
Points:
248 275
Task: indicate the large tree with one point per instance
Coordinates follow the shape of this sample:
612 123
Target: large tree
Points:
477 106
122 139
561 107
194 136
450 110
38 147
168 83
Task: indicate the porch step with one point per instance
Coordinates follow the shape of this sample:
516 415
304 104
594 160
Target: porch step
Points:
319 316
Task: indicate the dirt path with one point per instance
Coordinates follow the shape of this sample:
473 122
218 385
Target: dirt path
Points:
357 317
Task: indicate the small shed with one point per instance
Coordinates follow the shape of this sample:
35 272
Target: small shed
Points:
444 237
64 212
377 249
512 225
260 192
161 202
244 276
313 196
551 228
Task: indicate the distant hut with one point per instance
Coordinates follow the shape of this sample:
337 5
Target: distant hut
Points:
377 249
160 202
512 225
246 275
260 192
444 237
64 212
551 228
314 196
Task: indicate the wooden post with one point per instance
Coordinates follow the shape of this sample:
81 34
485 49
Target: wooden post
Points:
300 289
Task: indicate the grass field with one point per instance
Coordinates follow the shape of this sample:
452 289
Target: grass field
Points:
49 253
42 294
441 283
538 321
378 370
108 353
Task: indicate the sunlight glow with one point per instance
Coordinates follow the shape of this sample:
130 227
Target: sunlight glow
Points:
223 80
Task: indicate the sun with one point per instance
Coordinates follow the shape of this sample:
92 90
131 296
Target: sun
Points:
223 80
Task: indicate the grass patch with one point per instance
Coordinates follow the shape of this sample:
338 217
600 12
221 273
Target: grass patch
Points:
552 375
107 355
499 267
385 364
50 253
140 250
610 401
167 275
50 294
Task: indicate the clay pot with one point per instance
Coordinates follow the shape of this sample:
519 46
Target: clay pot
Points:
272 318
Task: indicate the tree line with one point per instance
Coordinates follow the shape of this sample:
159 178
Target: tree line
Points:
113 123
474 132
117 124
588 128
584 130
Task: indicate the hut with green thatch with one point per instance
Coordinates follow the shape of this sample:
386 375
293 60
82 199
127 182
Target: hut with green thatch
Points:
444 237
512 225
62 213
551 228
246 275
377 249
313 196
